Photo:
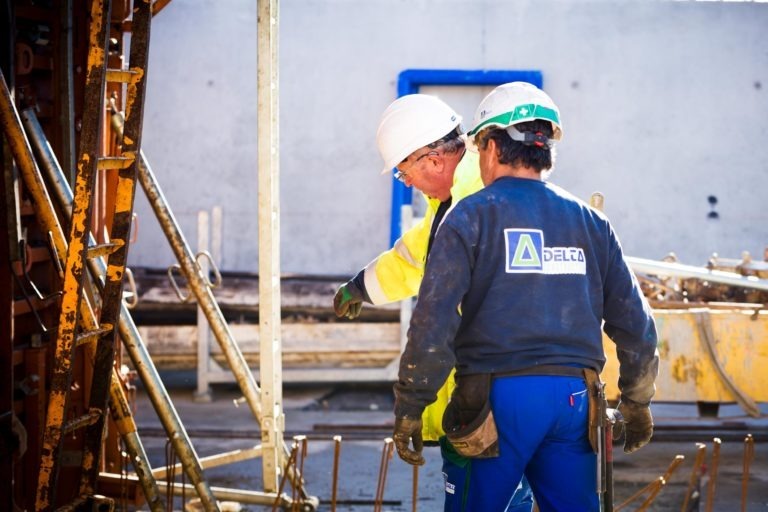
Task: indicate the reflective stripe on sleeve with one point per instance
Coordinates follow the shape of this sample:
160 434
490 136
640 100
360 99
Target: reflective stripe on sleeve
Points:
372 285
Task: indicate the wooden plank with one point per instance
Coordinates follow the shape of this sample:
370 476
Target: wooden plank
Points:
326 337
304 345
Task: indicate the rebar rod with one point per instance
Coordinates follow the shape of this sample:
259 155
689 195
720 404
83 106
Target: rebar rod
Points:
279 495
713 467
415 494
386 455
701 453
662 482
335 479
749 454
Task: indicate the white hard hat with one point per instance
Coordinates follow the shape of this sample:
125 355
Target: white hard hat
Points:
411 122
514 103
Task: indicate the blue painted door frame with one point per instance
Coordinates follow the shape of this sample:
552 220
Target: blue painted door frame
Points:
410 80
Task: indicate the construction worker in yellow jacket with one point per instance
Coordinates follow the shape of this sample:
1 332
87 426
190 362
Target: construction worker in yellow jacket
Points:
420 137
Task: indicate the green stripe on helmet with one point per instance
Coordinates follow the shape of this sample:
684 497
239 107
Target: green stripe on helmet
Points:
520 114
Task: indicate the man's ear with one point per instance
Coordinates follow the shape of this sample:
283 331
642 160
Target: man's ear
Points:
490 151
492 147
438 162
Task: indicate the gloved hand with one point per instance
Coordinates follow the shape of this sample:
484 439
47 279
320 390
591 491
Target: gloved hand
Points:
348 300
406 430
637 425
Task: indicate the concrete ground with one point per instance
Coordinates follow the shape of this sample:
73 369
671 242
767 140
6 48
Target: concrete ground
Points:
323 411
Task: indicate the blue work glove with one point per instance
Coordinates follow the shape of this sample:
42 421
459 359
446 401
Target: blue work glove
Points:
637 425
407 430
348 301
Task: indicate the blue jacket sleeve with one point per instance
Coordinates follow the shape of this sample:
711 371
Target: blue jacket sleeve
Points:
629 323
428 357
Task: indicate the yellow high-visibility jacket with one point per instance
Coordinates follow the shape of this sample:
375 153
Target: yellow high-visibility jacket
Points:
396 274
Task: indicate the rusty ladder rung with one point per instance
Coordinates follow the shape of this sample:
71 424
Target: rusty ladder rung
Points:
121 75
90 336
105 249
115 162
86 419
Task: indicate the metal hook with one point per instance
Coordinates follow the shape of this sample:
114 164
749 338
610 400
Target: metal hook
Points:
217 275
176 288
132 293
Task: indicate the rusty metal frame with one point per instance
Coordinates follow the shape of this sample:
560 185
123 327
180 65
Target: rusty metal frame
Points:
61 375
129 333
47 217
111 296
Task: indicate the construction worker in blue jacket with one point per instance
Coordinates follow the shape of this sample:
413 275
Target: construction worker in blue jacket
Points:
421 137
521 279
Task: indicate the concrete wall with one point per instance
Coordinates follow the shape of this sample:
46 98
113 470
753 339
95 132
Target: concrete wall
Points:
663 103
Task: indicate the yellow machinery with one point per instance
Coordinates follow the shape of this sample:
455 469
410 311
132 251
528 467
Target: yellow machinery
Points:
707 356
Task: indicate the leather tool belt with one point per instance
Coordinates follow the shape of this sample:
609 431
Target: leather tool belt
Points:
468 420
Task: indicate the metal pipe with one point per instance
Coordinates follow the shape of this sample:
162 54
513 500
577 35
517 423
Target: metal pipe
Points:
206 301
65 88
713 474
198 285
238 495
129 333
213 461
121 414
22 154
660 268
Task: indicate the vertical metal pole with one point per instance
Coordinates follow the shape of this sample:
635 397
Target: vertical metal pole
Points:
270 367
203 392
66 90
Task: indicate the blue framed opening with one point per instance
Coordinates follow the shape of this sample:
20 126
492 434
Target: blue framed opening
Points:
410 80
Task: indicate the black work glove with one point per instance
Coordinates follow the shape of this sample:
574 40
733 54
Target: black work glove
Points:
348 300
637 425
406 430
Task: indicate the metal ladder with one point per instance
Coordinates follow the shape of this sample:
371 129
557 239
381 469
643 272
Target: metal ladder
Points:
97 338
46 217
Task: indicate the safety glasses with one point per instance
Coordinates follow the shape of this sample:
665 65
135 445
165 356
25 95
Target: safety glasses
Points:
401 174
